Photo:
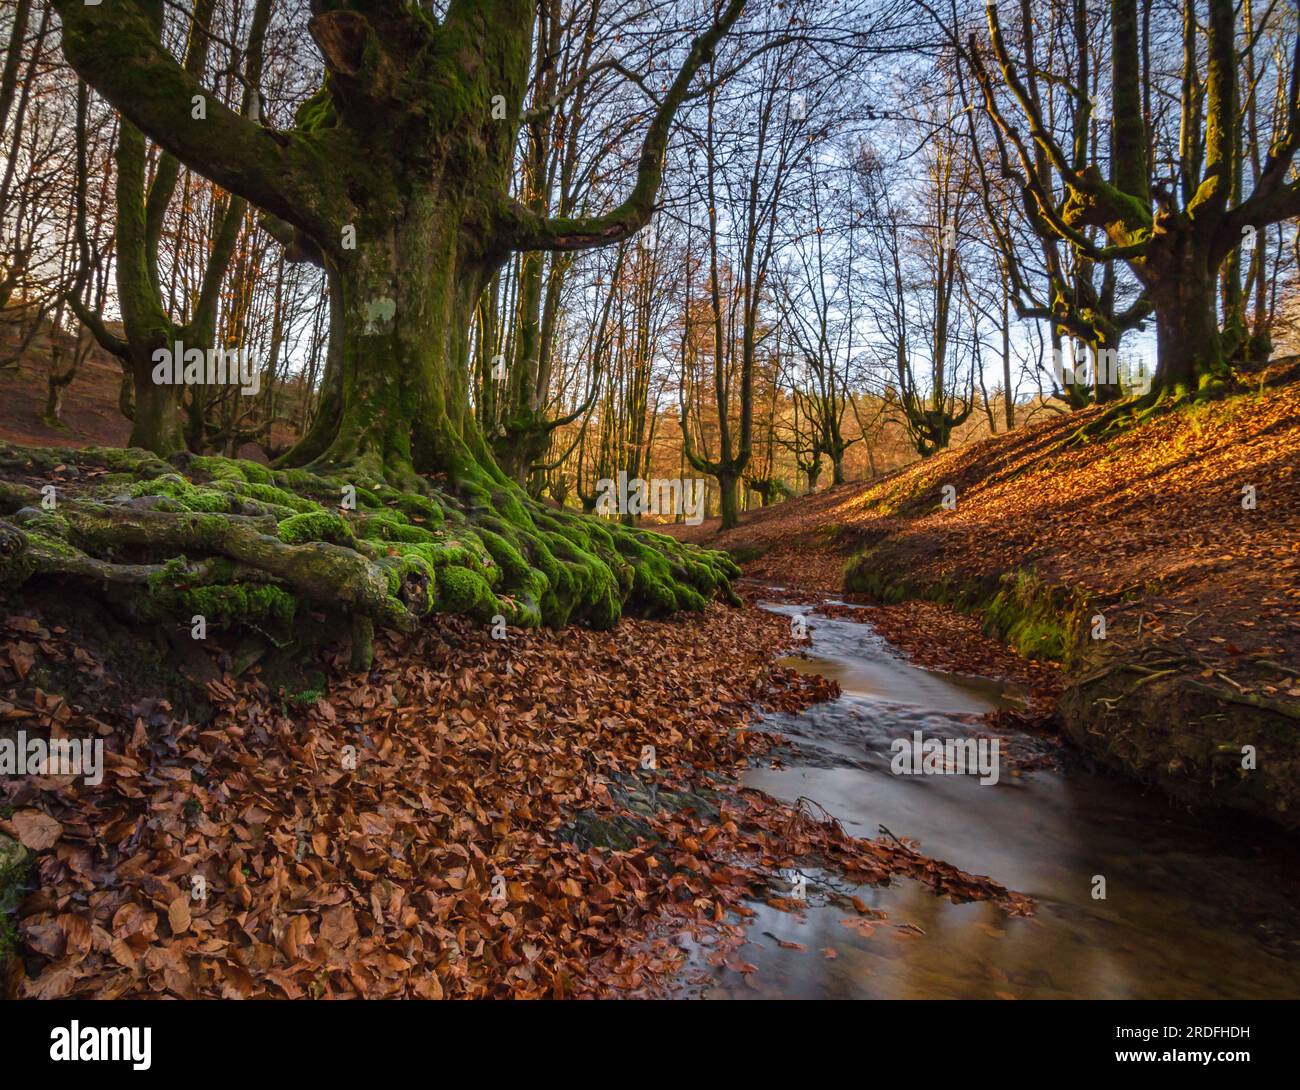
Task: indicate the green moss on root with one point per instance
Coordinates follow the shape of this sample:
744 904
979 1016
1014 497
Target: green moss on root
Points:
463 591
271 495
315 526
185 495
227 602
391 526
241 542
237 470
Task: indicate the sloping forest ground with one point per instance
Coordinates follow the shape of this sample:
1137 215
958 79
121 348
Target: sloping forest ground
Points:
1182 534
91 414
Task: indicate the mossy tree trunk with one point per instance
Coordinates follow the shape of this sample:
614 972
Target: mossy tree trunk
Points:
728 498
396 175
405 299
1072 303
554 183
1188 341
1174 243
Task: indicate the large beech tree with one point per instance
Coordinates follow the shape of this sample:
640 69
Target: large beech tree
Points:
396 176
1177 238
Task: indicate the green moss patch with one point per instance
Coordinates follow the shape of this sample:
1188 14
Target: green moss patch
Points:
315 526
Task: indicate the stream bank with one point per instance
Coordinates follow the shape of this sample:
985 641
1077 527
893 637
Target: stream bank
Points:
1160 568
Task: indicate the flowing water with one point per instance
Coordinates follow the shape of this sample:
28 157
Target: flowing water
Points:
1194 907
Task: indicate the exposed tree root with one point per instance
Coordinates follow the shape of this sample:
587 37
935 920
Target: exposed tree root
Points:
1134 412
1119 417
236 542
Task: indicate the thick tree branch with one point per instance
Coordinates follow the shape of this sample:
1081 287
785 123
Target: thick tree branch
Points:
522 229
113 47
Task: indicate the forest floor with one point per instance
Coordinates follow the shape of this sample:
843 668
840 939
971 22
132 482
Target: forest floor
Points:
473 818
1183 534
552 814
91 416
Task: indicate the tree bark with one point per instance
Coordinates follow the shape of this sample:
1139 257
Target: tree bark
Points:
405 299
1188 341
728 499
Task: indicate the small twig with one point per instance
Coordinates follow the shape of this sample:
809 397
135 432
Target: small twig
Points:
885 829
1291 711
1152 676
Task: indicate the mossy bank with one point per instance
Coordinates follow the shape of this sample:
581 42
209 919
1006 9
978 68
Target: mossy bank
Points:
223 541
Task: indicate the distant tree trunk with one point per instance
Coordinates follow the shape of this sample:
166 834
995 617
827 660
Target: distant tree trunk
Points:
1008 396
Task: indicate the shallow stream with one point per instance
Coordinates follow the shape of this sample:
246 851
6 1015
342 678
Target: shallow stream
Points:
1193 907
